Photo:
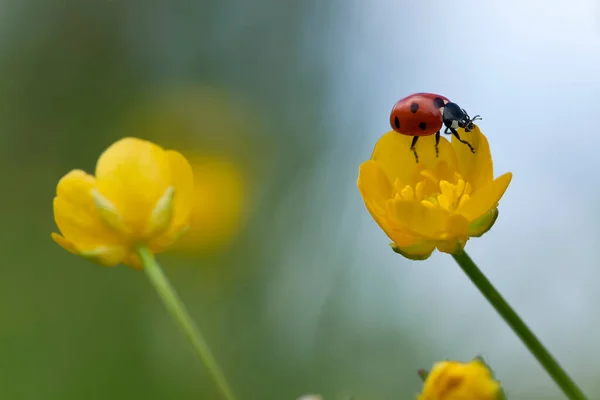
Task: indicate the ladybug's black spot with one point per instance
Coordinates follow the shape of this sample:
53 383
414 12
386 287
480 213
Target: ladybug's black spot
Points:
438 102
423 126
397 122
414 107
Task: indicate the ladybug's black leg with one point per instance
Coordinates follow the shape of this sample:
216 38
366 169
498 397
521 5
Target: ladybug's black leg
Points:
412 147
462 141
437 142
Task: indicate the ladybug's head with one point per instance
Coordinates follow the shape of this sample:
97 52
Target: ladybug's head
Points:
455 117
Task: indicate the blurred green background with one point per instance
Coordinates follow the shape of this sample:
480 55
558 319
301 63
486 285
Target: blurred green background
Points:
294 286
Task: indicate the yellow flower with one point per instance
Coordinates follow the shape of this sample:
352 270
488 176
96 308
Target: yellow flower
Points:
439 202
218 205
141 195
452 380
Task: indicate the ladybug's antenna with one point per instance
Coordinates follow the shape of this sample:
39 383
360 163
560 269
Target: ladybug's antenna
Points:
475 118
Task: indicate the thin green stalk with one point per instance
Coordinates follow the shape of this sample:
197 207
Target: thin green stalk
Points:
177 309
569 388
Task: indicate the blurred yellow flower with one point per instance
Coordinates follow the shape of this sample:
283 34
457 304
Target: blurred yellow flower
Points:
438 203
452 380
141 194
218 205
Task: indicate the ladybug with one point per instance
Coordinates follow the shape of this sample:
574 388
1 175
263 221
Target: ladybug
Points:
423 114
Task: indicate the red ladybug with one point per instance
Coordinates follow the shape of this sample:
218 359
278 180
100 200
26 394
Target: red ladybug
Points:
423 114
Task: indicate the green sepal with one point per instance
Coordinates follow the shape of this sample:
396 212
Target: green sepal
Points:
423 374
483 224
406 252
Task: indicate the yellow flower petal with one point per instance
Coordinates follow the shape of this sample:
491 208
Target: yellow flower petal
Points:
477 169
426 220
376 190
64 243
374 186
486 198
393 153
182 179
77 218
446 171
106 256
133 174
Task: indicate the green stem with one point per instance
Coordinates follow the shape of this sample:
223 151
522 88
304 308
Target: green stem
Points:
177 309
551 366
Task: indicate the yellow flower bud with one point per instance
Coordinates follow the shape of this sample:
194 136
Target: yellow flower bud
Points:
141 195
452 380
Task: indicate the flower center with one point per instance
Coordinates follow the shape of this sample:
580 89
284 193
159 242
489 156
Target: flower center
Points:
432 191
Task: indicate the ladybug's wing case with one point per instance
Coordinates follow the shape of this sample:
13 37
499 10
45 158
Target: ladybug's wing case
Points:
418 114
432 96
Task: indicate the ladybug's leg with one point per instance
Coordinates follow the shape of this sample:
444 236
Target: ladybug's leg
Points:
437 142
462 141
412 147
